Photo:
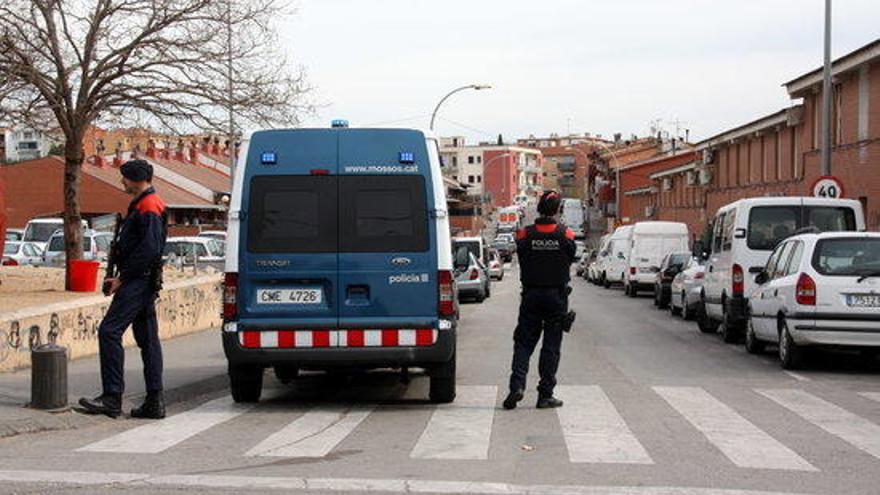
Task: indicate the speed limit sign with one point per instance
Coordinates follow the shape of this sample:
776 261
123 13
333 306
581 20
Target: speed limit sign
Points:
828 187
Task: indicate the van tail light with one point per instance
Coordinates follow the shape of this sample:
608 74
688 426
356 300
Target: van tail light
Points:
446 293
474 274
805 291
230 296
632 270
739 280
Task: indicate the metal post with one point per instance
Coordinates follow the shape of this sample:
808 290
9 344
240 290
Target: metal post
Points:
476 87
826 96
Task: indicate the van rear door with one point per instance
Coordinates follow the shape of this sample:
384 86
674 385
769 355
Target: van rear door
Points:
387 243
288 261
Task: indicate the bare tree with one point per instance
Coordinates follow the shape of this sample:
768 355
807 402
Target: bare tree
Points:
184 65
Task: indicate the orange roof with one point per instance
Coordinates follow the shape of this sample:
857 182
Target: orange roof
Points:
173 195
212 179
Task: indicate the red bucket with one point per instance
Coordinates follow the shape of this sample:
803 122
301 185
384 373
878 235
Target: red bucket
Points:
84 276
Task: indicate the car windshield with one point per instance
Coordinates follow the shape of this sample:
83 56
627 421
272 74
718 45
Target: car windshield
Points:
11 248
848 256
40 232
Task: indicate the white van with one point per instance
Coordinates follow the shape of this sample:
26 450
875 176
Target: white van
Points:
650 243
745 233
39 230
615 258
573 216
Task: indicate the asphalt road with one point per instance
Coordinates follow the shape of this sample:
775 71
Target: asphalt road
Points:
652 407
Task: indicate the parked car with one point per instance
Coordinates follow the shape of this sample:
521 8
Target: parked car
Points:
14 234
670 267
496 265
579 250
219 235
39 230
650 242
684 294
503 248
471 277
21 253
818 290
96 246
615 257
188 250
745 234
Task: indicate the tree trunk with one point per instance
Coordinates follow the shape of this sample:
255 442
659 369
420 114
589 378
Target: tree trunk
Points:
73 235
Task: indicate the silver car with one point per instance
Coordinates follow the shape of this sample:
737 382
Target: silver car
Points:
96 245
471 277
496 265
21 253
685 290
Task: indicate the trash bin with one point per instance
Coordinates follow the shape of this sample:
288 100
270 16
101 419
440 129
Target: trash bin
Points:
84 275
49 377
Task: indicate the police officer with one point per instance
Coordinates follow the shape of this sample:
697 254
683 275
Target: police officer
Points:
546 251
138 254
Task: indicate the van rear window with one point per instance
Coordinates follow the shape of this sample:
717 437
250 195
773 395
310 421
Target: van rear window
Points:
382 214
292 214
770 225
326 214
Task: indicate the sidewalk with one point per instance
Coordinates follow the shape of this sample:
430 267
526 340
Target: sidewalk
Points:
194 364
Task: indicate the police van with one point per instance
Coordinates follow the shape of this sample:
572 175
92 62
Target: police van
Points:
339 258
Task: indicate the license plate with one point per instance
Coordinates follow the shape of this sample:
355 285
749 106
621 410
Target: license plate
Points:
290 296
863 301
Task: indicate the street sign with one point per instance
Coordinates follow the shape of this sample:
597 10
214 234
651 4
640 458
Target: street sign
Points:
828 187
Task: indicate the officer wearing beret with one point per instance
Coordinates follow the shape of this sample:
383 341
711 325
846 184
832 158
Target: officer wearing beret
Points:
138 252
546 251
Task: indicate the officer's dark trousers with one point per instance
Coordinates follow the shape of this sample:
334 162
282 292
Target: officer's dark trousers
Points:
133 304
540 311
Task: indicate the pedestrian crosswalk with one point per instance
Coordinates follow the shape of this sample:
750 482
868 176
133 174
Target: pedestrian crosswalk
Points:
593 427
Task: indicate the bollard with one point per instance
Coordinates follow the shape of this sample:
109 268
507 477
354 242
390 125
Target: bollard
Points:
49 377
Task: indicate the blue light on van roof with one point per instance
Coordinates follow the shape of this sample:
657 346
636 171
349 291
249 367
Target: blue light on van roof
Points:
406 157
339 123
268 158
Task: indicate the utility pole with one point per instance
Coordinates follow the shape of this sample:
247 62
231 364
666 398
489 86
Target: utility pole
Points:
826 96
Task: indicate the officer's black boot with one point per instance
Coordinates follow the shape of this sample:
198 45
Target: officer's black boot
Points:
548 402
152 408
107 404
512 398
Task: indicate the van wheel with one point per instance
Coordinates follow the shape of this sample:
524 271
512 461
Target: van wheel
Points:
480 297
442 388
791 355
753 345
605 282
246 383
705 324
729 332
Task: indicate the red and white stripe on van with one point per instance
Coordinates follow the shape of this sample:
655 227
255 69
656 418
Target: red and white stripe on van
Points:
294 339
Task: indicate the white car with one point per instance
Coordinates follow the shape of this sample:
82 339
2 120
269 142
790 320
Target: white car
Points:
14 234
818 290
21 253
471 277
188 250
745 233
96 246
615 258
496 265
684 295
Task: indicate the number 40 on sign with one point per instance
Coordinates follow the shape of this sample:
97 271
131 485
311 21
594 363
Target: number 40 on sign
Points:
828 187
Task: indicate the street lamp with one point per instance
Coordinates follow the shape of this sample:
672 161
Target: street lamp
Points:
475 87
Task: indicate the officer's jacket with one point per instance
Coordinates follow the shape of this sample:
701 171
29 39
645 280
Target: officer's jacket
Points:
546 251
142 235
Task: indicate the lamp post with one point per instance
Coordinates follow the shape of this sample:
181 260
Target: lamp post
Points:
475 87
826 96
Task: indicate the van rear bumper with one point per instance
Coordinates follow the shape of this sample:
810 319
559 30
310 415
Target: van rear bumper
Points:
342 357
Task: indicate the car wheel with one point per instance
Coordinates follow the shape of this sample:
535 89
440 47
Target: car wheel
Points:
687 311
791 355
633 291
730 333
656 297
705 324
442 386
753 345
480 297
246 383
489 290
673 309
606 283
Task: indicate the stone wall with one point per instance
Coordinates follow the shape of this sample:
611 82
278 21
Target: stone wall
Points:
183 307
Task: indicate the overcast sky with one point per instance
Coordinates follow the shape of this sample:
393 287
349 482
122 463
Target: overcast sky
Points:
599 66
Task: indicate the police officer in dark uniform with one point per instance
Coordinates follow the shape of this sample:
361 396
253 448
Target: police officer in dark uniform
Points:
546 251
138 253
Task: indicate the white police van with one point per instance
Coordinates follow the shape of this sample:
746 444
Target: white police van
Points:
339 257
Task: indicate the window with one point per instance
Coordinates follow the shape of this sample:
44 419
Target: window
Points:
454 161
470 179
716 234
770 269
471 159
10 248
796 255
479 179
382 214
847 256
769 225
729 223
103 243
479 159
293 214
782 263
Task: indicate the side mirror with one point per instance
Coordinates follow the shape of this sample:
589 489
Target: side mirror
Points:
762 278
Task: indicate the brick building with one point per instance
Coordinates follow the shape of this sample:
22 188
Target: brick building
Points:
641 194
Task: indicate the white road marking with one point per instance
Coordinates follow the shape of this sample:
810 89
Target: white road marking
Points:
462 429
796 376
593 429
871 395
834 419
346 485
742 442
161 435
314 434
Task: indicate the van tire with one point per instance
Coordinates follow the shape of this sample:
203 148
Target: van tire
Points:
442 387
729 333
704 323
246 383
